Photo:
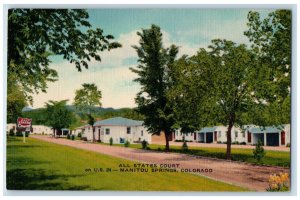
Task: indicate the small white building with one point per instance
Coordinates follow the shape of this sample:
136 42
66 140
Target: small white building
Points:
81 130
11 126
119 129
180 136
41 129
35 129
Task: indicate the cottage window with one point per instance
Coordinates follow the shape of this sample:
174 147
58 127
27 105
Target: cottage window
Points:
142 133
236 134
219 134
107 131
243 134
128 130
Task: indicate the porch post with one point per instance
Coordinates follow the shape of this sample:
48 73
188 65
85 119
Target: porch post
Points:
279 135
265 139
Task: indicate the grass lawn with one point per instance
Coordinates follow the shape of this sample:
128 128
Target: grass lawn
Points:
274 158
38 165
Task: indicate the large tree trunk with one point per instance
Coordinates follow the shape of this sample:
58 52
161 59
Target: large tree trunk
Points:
228 150
167 141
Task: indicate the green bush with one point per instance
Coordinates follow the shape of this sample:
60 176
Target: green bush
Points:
259 151
184 147
235 142
288 145
68 136
242 143
178 140
127 143
144 144
73 137
20 134
111 141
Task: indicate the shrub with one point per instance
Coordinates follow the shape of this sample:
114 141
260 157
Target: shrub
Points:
288 145
259 151
242 143
11 132
111 141
278 183
73 137
235 142
19 134
68 136
178 140
84 138
158 149
127 143
219 142
184 147
144 144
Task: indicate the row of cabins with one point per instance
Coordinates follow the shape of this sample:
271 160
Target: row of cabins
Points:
122 129
250 134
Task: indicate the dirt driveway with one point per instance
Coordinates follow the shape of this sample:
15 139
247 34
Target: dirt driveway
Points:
245 175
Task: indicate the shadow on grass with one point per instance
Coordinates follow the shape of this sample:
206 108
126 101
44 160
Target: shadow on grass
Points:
242 157
39 179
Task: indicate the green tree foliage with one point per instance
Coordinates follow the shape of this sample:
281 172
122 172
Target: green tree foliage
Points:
191 91
153 76
16 101
35 34
259 151
57 115
86 99
215 86
37 115
271 41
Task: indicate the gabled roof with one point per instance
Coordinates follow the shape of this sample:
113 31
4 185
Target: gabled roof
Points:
207 129
118 121
267 129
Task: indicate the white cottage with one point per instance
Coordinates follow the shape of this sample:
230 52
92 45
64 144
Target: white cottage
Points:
179 136
42 129
119 129
270 135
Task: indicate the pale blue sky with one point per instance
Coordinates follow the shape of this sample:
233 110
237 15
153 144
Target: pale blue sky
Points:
190 29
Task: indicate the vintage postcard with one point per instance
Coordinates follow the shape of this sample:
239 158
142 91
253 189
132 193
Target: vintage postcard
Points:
149 99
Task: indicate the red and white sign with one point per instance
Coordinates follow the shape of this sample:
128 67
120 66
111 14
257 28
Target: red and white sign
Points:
24 122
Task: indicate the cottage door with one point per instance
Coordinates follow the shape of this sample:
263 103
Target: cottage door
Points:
282 138
215 136
249 137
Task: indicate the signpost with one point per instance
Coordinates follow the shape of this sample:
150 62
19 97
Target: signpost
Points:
24 123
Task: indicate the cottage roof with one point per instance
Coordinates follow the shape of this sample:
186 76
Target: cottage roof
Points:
207 129
267 129
118 121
